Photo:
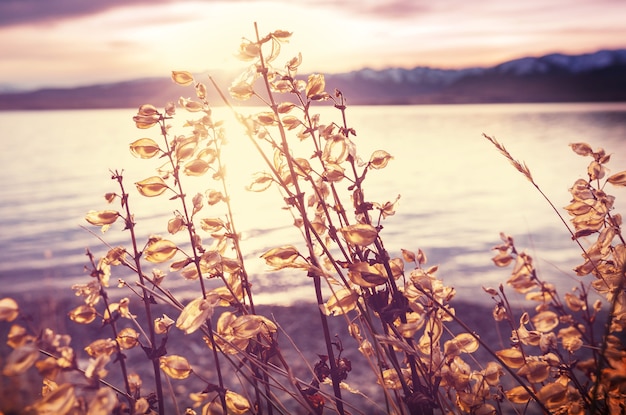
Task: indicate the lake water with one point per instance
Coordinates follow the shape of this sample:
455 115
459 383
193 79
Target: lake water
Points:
457 192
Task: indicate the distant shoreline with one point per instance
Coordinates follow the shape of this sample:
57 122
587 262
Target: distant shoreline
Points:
443 104
591 77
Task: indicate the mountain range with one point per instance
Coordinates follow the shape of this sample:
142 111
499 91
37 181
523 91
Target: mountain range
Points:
591 77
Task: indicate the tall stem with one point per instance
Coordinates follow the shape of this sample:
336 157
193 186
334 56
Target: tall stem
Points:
195 250
146 297
243 275
468 330
307 225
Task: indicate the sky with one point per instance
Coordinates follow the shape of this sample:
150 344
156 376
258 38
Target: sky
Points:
62 43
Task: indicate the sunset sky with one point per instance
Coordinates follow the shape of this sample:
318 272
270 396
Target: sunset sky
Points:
77 42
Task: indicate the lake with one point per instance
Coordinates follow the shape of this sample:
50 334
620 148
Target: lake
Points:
457 192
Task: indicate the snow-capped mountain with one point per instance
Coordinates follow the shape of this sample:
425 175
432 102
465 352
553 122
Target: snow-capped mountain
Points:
417 75
598 76
573 64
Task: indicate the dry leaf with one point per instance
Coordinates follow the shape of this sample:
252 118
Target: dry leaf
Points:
183 78
17 336
408 256
360 234
618 179
379 159
513 358
582 149
174 366
83 314
175 224
127 338
212 225
260 182
535 371
60 401
463 343
341 302
290 122
236 404
281 257
195 313
190 105
285 107
553 395
152 186
315 86
213 197
366 275
101 347
102 217
545 321
266 118
196 167
518 395
163 324
185 147
160 250
144 148
9 310
103 403
20 359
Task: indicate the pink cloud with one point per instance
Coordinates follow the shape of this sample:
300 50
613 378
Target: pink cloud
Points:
13 12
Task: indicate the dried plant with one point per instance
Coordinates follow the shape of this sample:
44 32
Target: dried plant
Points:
398 313
574 369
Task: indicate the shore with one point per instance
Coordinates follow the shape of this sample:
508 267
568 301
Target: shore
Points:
299 324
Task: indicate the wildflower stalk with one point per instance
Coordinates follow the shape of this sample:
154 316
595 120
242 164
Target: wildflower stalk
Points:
103 382
523 168
468 330
603 361
189 225
312 255
382 254
146 298
180 194
233 235
243 275
591 207
297 200
121 358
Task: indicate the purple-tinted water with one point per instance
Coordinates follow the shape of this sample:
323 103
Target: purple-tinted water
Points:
457 192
